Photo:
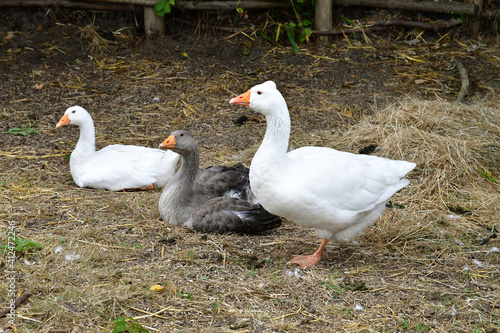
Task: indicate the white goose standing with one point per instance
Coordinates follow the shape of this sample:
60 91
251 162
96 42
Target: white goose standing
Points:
339 194
115 167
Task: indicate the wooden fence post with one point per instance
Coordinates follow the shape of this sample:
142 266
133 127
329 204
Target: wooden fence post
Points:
323 17
153 24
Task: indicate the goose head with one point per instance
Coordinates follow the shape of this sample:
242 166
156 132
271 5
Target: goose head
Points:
75 115
263 98
181 142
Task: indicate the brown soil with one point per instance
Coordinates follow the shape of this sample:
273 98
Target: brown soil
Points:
416 270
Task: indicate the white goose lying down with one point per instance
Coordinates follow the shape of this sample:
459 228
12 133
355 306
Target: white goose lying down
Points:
215 199
115 167
339 194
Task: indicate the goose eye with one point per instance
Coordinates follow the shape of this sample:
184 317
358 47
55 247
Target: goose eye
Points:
259 92
182 134
73 111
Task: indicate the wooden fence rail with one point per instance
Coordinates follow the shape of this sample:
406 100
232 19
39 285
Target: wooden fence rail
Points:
155 25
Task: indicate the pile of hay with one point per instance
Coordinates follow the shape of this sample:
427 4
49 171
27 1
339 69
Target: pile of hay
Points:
457 151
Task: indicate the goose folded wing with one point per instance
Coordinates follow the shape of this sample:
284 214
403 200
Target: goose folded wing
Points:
220 180
345 183
232 215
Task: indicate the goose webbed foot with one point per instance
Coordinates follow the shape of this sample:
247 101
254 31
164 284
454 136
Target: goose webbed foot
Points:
310 260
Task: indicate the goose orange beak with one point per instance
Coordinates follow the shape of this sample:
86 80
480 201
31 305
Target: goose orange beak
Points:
63 121
169 143
243 99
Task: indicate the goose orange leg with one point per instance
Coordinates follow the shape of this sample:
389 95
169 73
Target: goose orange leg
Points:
310 260
149 188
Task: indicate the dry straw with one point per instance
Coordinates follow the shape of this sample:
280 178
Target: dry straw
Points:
456 146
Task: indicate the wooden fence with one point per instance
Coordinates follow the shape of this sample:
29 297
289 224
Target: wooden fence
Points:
155 25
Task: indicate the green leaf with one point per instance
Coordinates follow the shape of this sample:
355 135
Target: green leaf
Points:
25 244
22 244
266 37
306 22
159 6
349 21
120 325
129 325
291 37
163 7
487 175
291 24
308 31
23 130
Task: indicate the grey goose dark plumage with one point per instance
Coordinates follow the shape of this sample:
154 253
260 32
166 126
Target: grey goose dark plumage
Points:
215 199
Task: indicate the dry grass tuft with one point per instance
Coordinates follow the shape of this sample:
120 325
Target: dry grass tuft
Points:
452 144
96 44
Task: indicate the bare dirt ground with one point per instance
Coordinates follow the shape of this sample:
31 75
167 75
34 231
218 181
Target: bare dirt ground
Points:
430 264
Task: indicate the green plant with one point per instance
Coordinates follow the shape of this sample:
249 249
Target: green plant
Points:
332 286
422 328
462 16
405 324
266 37
182 294
128 325
20 244
348 313
23 130
240 11
2 185
345 19
487 175
299 32
163 7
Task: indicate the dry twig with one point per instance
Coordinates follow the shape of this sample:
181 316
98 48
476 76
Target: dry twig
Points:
464 89
24 296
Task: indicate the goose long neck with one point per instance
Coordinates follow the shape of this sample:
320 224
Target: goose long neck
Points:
179 188
178 192
86 141
277 133
188 169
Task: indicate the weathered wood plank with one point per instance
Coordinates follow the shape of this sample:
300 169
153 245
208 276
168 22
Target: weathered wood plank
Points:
426 6
106 4
154 25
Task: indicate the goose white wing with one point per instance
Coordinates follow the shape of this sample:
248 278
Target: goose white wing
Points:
119 167
344 180
324 184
